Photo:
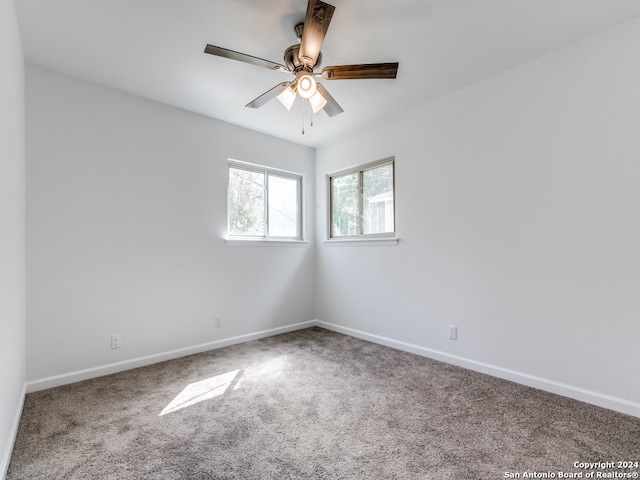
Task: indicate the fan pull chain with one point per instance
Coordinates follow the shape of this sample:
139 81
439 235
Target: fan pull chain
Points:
310 115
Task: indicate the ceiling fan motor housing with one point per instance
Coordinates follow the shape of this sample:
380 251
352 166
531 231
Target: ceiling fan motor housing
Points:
292 59
294 64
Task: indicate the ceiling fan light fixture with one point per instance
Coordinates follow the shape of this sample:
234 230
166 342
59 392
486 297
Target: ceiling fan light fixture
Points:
287 97
306 85
302 60
317 102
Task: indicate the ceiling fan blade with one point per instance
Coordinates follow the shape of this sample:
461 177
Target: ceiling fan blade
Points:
243 57
316 23
269 95
331 108
362 71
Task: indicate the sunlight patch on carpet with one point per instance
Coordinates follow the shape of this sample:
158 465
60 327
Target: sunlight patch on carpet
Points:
200 391
264 371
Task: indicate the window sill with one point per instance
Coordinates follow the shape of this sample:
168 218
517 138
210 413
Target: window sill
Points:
387 241
263 242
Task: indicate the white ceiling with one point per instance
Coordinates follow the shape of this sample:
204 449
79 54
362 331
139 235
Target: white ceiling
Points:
154 48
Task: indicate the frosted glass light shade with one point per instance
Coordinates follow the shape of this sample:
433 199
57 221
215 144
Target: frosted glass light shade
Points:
317 102
287 97
306 86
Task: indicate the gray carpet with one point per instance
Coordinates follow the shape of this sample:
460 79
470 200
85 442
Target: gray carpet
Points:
311 404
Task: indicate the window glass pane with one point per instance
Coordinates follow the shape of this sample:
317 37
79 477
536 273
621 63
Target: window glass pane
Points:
377 200
283 206
344 215
246 202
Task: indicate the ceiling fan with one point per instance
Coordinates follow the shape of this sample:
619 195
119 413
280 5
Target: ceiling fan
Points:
302 59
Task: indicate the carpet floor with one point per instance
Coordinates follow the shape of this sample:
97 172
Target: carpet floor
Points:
314 404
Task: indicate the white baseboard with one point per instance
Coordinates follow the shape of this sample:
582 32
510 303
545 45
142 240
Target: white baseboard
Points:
8 449
595 398
79 375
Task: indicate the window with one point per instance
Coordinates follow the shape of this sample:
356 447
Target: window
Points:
362 201
263 203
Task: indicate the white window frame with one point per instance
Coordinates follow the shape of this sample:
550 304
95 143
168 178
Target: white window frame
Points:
252 167
359 170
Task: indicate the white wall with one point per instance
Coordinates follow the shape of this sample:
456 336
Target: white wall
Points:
518 212
12 218
518 206
126 212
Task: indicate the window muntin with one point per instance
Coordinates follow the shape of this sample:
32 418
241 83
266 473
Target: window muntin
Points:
362 201
263 203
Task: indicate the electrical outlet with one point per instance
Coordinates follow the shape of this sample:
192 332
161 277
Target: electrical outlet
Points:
217 321
453 332
116 342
